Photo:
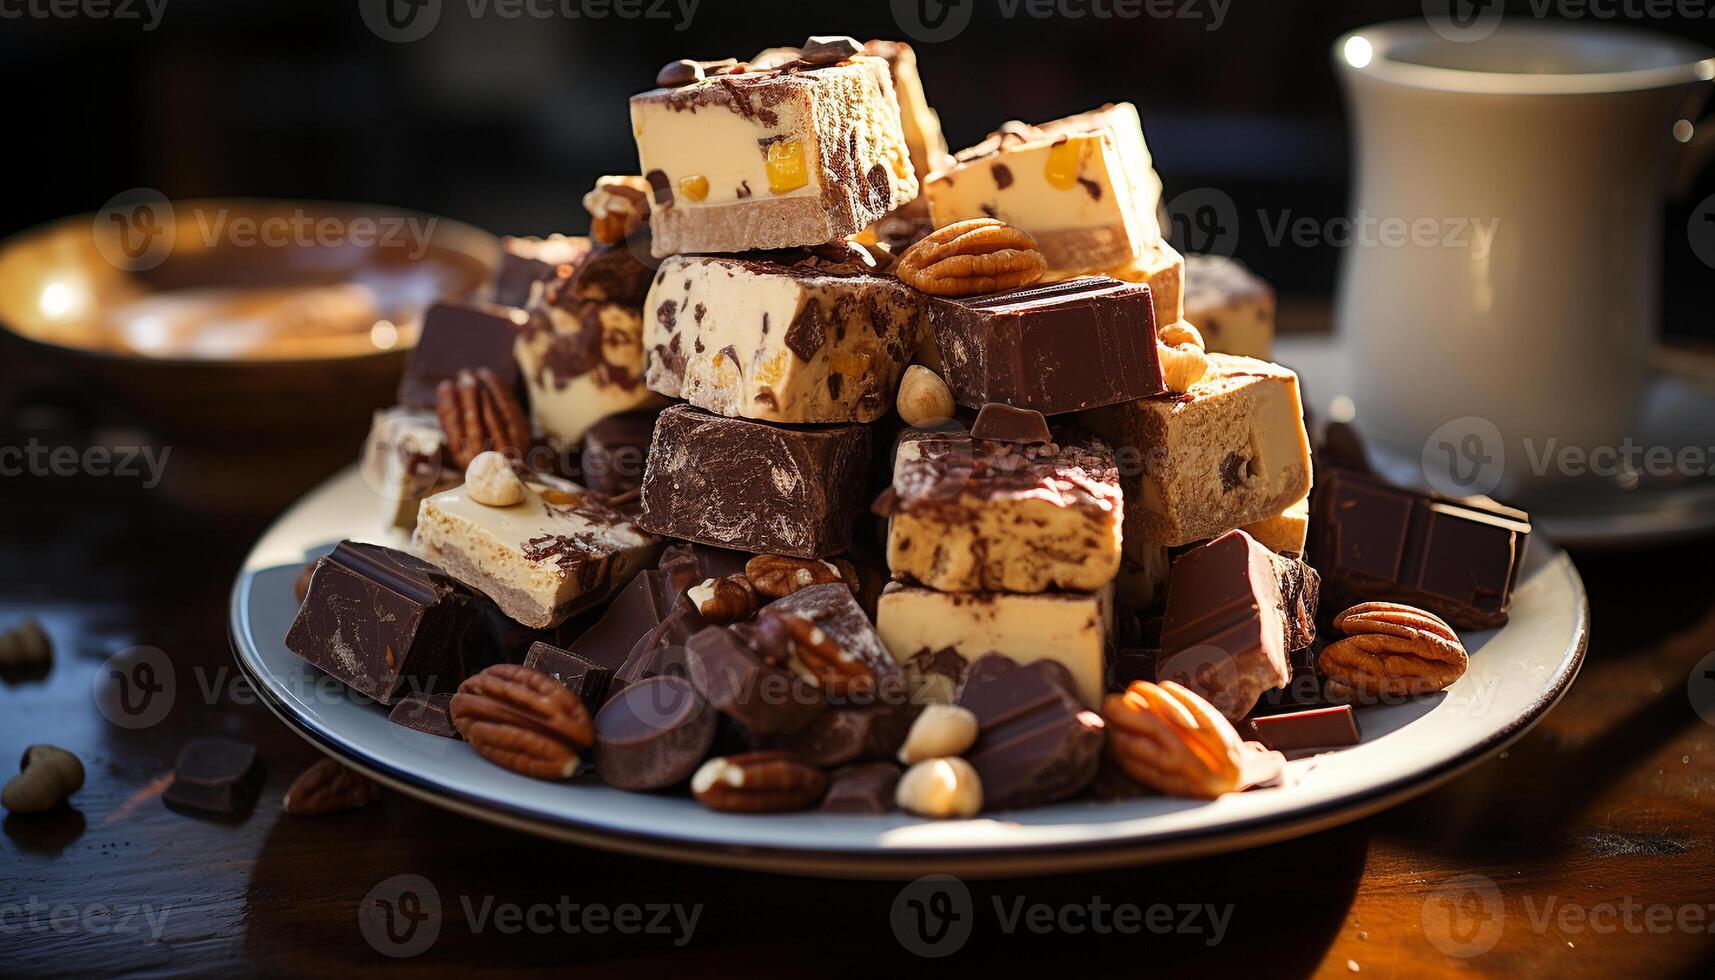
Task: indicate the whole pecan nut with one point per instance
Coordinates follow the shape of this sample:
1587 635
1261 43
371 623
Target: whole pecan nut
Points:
1166 737
326 787
777 576
965 258
479 414
758 782
523 720
724 601
1391 651
788 639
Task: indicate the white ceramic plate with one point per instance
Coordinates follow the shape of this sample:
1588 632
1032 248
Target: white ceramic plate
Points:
1517 674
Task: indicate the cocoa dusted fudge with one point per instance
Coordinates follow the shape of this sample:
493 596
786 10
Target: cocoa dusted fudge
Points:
557 552
1230 306
1235 611
754 487
526 261
972 515
1084 186
387 624
1070 628
1228 453
1058 348
798 154
797 337
582 360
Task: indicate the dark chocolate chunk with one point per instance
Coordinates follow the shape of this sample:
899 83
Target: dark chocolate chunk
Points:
588 680
638 609
1318 728
216 775
662 187
843 735
692 564
675 74
662 649
615 450
934 676
653 734
455 338
829 50
611 274
1133 665
1036 743
387 624
1457 558
431 713
1004 423
754 487
866 789
766 700
842 625
524 262
1061 348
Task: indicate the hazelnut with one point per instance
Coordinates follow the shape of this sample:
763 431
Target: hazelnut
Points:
25 645
491 481
941 730
50 774
924 399
1183 361
940 788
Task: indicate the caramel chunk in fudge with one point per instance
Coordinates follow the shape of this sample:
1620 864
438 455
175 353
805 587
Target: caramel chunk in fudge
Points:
1070 628
791 155
1084 186
1230 305
971 515
582 360
557 552
1230 452
803 339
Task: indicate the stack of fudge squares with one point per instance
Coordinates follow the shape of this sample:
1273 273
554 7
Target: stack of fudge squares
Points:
833 469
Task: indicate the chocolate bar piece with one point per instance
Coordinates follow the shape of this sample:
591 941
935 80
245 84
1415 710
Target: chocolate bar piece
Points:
864 789
1230 306
754 487
1457 558
615 450
1036 743
428 713
586 679
839 623
794 155
1235 611
971 515
794 338
386 624
1298 731
843 735
638 608
1071 628
524 262
459 337
1004 423
730 676
653 734
556 553
1084 186
1057 348
1227 453
582 360
216 775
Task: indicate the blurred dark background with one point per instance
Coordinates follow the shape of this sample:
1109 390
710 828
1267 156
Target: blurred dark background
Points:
504 122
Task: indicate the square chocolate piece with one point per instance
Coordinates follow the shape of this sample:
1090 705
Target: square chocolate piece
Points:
456 337
582 677
216 775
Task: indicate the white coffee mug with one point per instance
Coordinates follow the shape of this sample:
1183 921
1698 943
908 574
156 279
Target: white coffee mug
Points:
1501 298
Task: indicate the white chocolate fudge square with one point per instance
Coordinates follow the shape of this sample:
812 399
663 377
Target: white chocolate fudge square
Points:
772 158
1071 628
804 340
1230 305
557 552
1084 186
1230 452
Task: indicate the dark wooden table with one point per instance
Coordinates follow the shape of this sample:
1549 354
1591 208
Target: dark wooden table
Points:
1590 841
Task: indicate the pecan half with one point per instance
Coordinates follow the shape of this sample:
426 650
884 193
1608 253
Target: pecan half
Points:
965 258
479 414
788 639
1166 737
1391 650
777 576
758 782
523 720
326 787
724 601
